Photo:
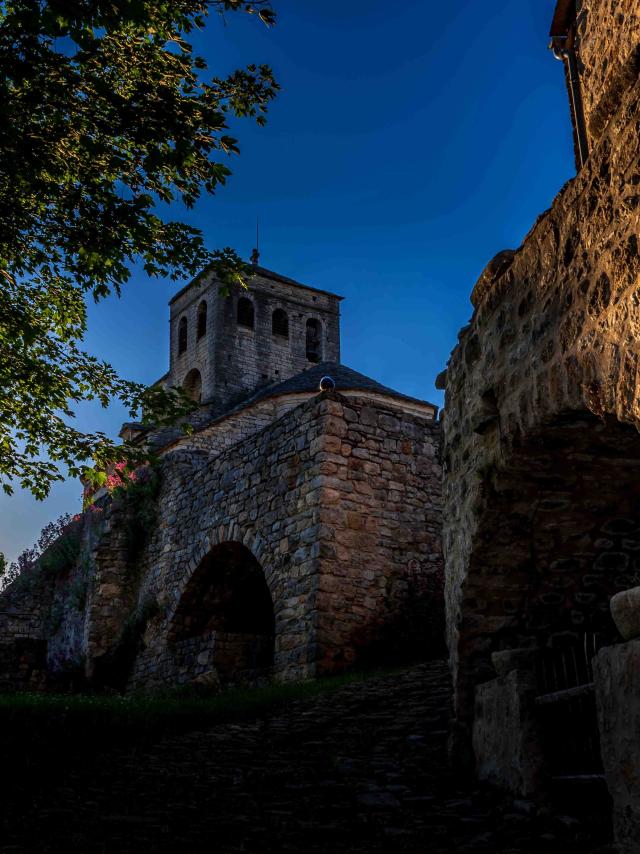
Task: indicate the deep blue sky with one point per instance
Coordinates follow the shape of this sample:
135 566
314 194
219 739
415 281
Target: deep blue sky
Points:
410 142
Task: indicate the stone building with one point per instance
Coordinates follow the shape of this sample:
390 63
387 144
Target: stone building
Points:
222 349
542 456
294 532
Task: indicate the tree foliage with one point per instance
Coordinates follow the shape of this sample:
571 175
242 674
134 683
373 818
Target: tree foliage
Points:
4 568
106 118
57 547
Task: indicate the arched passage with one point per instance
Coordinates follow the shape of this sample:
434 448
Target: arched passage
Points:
193 385
558 536
225 618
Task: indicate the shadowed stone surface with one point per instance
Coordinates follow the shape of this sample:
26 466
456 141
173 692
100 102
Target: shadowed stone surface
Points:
506 741
617 678
328 515
541 451
360 770
541 429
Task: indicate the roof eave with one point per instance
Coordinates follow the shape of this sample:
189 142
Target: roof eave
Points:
563 18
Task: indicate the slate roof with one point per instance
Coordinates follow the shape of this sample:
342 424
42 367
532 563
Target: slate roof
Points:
307 381
346 379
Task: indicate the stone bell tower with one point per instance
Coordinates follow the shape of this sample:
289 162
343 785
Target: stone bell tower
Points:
224 348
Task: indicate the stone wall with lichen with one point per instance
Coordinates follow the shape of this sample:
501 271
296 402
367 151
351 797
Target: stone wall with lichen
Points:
541 446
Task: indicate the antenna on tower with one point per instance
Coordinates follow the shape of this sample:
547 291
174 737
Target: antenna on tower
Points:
255 255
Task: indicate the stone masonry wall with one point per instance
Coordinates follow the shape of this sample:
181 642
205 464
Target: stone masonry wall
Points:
249 358
617 683
541 414
337 505
234 360
234 428
255 493
199 353
23 647
380 584
345 538
607 36
43 613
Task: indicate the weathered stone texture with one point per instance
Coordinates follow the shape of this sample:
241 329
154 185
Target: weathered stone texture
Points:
541 447
334 507
617 681
234 360
381 573
625 610
23 648
255 494
607 40
229 430
45 615
506 739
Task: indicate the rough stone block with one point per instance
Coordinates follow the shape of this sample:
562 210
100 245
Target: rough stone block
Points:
617 683
506 741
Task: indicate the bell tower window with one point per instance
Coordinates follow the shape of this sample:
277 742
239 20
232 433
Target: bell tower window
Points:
193 385
202 319
245 315
280 323
314 340
182 336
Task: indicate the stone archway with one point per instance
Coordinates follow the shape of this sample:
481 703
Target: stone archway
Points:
223 626
559 535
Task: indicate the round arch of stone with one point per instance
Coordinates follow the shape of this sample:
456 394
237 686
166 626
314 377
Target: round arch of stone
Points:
192 384
231 533
225 617
286 631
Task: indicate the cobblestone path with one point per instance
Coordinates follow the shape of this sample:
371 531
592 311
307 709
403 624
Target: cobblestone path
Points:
362 770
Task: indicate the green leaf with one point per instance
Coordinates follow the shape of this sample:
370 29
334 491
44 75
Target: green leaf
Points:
98 141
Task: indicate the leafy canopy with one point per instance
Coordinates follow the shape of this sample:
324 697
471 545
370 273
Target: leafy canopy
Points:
106 117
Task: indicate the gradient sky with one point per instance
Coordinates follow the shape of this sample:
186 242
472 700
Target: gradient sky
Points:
410 143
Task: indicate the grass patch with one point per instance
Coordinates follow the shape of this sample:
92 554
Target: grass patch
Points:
40 727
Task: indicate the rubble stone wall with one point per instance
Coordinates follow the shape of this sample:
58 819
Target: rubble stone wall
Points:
381 578
541 448
336 505
236 427
607 43
304 508
255 493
